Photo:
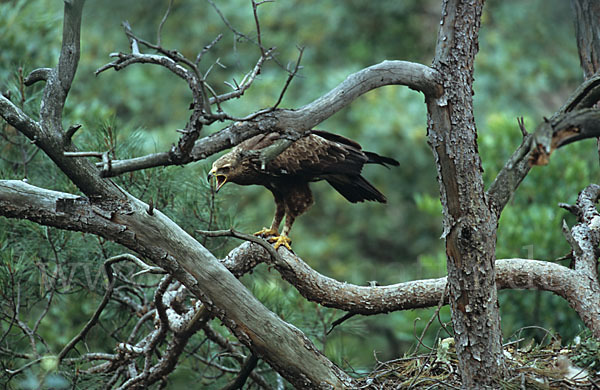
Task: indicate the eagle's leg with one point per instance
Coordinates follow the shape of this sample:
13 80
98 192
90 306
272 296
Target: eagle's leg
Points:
274 229
283 239
298 200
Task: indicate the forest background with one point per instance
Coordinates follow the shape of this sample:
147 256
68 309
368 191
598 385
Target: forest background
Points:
526 66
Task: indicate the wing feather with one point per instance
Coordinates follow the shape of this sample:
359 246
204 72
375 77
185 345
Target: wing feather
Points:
320 155
315 156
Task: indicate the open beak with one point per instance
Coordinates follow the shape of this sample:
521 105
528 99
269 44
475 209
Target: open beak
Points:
220 179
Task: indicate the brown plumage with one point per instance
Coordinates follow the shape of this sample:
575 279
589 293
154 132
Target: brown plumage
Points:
318 155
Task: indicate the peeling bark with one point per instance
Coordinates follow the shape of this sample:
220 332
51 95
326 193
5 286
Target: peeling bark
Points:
587 30
469 224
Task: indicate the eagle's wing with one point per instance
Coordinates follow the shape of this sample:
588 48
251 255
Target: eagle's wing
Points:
319 154
325 156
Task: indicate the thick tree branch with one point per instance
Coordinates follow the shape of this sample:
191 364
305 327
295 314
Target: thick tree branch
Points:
113 214
416 76
66 211
585 239
366 300
579 286
159 239
18 119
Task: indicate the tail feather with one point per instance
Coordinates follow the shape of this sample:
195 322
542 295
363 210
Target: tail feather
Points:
374 158
355 188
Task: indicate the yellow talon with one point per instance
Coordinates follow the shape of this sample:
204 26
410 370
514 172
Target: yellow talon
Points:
265 232
281 240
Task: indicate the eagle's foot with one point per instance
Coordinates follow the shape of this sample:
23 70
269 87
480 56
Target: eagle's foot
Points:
266 232
280 240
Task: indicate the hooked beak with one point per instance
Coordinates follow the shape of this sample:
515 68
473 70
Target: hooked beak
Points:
219 178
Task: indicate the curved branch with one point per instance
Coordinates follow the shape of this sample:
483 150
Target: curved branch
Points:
416 76
582 292
585 96
123 60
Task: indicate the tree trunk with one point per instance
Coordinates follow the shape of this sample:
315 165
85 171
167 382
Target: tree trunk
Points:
587 30
469 223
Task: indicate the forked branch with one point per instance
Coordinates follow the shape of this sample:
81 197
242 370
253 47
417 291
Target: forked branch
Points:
577 119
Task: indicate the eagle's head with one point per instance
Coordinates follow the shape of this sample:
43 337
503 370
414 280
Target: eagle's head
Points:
227 168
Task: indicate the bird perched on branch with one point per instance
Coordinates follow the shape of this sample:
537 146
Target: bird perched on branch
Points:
286 167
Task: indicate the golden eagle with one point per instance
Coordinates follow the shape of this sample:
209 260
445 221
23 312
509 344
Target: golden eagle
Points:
317 155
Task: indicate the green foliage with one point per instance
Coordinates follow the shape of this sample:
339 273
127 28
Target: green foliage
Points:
587 351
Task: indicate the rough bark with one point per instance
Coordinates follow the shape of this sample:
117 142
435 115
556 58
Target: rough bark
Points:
574 121
469 224
578 286
587 30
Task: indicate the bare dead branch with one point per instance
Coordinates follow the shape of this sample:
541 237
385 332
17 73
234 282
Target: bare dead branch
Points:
84 154
340 321
415 76
586 233
246 81
123 60
162 22
257 24
585 96
235 268
206 48
228 24
521 123
575 120
510 274
19 120
244 373
71 132
291 76
138 163
577 251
